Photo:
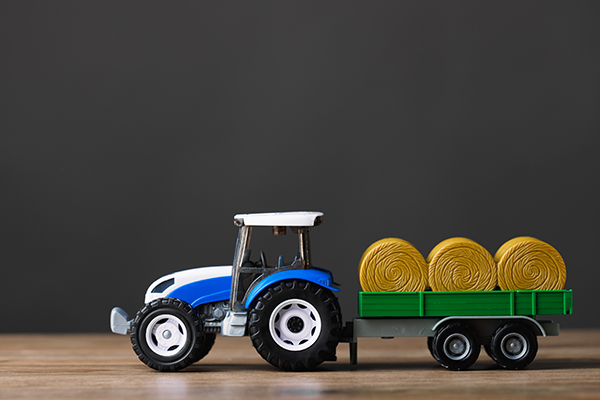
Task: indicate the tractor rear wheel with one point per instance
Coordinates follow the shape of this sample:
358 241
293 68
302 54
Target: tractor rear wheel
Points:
295 325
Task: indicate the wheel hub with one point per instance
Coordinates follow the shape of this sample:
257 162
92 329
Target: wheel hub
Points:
166 335
457 346
295 325
514 346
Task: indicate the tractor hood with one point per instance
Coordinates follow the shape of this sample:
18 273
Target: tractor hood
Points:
214 281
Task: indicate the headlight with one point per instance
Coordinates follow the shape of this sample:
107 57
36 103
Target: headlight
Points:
164 285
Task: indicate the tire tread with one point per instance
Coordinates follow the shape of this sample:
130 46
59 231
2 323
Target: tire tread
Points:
259 331
198 335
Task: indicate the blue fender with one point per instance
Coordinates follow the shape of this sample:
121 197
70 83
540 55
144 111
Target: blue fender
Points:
204 291
319 276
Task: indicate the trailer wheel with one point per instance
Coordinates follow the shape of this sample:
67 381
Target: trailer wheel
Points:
167 335
513 346
295 325
430 346
456 347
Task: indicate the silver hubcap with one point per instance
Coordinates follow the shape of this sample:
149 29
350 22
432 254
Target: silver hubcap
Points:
457 346
514 346
166 335
295 325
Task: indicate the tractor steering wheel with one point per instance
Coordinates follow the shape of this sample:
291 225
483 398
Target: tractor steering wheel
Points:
263 259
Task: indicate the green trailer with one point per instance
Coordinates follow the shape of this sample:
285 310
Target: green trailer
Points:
458 324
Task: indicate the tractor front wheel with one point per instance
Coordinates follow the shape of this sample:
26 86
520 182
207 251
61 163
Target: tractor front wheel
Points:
167 335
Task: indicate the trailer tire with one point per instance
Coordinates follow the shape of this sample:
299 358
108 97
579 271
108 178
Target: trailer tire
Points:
455 346
167 335
295 325
513 346
430 347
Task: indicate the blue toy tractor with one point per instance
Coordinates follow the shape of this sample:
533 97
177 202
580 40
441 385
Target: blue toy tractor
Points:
288 310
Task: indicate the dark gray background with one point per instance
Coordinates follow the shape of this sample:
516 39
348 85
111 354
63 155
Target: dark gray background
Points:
132 132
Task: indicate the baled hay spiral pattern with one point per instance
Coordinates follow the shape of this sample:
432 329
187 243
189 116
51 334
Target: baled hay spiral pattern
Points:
526 263
461 264
392 265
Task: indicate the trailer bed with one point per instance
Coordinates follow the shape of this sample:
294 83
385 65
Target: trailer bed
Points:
475 303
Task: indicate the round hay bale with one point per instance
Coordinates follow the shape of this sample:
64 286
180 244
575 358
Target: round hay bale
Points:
461 264
392 265
526 263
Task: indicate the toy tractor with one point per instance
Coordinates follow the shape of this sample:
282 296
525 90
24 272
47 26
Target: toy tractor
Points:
288 310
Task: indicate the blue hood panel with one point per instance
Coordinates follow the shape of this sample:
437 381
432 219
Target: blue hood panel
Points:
204 291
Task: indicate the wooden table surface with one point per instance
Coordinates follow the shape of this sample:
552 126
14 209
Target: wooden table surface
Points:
102 366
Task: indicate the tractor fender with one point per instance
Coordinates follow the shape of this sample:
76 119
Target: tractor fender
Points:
318 276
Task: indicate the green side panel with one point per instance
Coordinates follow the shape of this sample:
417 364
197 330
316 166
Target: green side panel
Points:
443 304
388 304
466 303
525 303
549 303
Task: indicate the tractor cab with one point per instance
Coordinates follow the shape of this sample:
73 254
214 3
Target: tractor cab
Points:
247 274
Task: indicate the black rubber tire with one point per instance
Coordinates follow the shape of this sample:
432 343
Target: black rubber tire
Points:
466 340
430 346
522 337
207 345
191 350
331 325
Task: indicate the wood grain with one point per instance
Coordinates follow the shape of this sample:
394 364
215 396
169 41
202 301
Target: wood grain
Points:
103 366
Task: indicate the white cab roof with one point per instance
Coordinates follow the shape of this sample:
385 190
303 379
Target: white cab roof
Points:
294 218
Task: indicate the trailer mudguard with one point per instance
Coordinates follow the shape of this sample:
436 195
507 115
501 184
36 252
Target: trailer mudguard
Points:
319 276
204 291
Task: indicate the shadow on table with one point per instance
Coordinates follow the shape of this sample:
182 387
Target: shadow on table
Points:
480 365
565 363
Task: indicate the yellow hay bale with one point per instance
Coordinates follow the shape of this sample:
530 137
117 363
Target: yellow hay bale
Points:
526 263
392 265
461 264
